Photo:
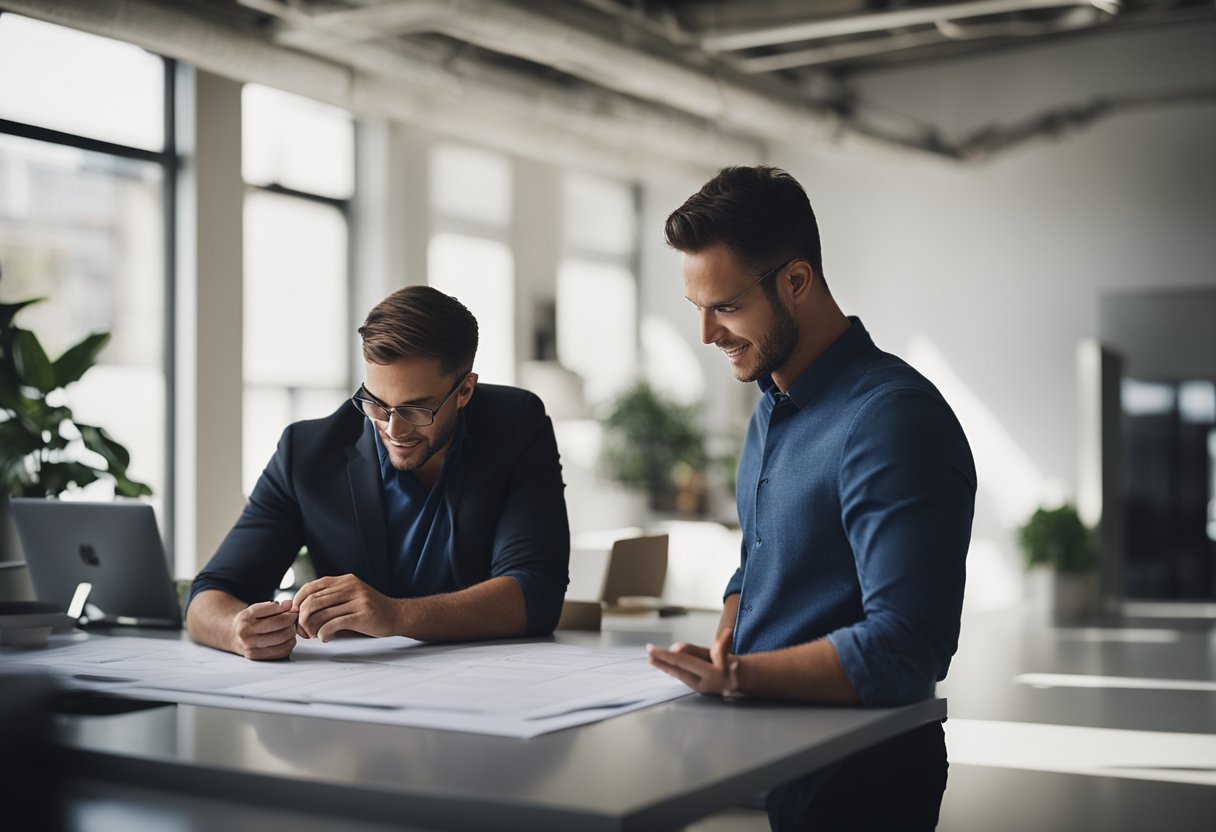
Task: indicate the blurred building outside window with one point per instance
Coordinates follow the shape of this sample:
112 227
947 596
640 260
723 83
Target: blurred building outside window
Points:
468 256
297 159
597 295
83 174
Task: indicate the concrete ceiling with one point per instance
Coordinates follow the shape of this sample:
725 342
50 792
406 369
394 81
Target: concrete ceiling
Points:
677 81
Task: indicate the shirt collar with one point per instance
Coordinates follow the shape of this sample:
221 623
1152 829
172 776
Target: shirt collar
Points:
823 369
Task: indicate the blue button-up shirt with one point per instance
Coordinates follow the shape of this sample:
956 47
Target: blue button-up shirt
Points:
419 527
855 493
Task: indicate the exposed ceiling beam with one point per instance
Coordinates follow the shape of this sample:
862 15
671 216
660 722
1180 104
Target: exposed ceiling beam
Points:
847 50
882 21
522 32
529 117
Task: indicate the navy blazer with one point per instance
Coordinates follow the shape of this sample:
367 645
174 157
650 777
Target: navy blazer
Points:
322 489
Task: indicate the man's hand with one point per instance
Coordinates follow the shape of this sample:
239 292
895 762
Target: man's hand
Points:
264 631
713 671
332 604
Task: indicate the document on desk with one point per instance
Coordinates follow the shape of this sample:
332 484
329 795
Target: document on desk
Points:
512 688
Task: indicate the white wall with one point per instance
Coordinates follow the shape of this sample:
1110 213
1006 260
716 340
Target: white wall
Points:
1000 265
987 275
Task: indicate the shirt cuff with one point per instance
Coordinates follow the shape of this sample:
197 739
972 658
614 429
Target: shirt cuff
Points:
877 680
734 585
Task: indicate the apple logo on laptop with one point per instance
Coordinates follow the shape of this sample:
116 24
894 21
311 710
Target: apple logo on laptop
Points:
89 555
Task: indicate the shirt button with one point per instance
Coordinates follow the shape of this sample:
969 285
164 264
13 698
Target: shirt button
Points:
759 541
764 480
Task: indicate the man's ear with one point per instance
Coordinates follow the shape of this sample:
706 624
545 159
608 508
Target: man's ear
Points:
466 390
800 277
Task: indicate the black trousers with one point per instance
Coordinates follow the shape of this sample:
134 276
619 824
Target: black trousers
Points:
892 787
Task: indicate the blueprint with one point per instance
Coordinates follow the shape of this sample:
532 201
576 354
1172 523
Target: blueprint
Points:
509 688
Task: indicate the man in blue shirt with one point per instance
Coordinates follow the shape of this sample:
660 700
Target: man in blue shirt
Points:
855 493
431 507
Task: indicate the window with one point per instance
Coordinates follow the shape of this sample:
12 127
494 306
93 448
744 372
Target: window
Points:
68 82
84 175
480 274
468 258
597 332
297 143
597 304
471 185
298 158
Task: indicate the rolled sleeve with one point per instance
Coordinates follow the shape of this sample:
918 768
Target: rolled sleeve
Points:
532 540
735 584
907 486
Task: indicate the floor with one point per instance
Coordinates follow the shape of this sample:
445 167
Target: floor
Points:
1110 726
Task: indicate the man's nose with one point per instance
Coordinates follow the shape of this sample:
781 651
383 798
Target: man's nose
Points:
710 330
403 427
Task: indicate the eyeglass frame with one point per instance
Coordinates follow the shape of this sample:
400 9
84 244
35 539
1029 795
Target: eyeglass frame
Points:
756 282
400 409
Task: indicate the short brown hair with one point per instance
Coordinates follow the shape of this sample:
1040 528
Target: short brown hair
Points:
421 322
760 213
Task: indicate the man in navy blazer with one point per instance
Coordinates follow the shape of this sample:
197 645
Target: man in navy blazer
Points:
439 517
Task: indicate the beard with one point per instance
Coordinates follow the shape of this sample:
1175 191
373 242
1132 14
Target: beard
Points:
422 453
774 349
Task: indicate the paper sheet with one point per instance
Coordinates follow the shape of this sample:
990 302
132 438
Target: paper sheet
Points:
515 688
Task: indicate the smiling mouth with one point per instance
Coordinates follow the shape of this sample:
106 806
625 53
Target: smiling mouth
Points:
733 353
411 443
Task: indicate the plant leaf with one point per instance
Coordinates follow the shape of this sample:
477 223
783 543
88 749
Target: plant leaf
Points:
33 367
55 477
17 440
38 416
130 488
97 440
9 310
10 391
72 364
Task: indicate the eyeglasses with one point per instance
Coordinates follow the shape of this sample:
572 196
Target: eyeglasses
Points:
720 305
414 414
756 282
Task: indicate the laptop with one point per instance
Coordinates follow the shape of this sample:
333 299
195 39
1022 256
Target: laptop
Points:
114 546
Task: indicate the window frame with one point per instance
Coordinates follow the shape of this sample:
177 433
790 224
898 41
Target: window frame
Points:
169 160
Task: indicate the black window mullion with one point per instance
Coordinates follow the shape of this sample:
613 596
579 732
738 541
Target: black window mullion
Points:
46 134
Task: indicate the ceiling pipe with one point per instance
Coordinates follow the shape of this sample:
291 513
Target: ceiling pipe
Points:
1080 17
883 21
539 121
848 50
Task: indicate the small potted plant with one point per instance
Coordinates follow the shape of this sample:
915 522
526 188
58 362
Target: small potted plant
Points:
1062 558
656 445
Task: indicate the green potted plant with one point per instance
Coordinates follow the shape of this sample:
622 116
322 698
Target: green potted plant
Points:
656 445
40 441
1061 556
44 451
